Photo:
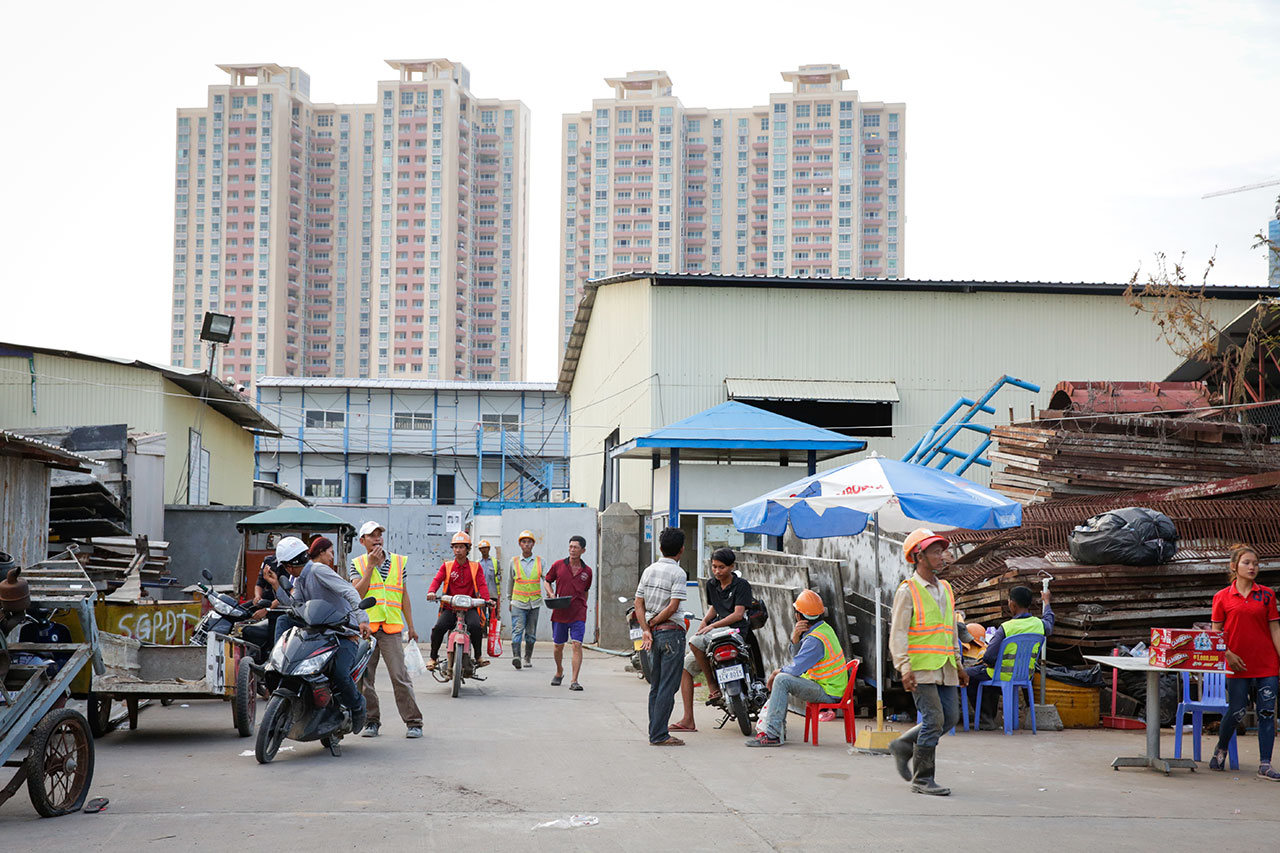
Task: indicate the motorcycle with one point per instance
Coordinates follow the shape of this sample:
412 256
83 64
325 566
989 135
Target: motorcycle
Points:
224 615
639 656
461 659
300 678
735 661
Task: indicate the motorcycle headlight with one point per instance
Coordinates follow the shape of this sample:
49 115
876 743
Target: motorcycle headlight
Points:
221 607
276 661
313 664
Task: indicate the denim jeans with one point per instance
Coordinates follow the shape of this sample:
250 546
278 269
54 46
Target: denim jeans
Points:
524 625
939 709
1238 698
666 663
785 686
284 623
344 660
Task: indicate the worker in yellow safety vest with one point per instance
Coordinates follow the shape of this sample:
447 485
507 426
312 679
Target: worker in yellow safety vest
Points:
526 599
381 574
817 672
922 641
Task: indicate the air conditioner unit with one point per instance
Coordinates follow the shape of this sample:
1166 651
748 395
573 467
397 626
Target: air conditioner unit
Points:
559 496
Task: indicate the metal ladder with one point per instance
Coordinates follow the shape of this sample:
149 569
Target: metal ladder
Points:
934 444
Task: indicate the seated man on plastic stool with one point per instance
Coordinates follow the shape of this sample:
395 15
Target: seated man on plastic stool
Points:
1023 622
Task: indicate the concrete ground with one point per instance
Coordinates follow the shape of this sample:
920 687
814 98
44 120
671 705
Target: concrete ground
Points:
514 752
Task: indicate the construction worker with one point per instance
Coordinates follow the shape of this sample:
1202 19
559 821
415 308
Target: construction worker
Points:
1022 622
922 641
526 598
493 579
459 576
816 673
381 574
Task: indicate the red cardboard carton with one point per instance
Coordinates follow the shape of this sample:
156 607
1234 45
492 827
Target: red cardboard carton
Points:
1186 648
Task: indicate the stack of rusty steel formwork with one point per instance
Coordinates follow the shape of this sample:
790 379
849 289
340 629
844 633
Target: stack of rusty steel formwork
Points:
1098 607
1062 455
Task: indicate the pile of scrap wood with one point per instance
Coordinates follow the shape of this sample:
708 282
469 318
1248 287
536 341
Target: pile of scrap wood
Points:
1098 607
1063 454
120 565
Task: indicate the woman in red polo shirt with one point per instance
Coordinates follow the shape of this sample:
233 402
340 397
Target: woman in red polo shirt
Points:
1246 612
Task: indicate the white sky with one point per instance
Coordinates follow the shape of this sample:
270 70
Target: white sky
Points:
1049 144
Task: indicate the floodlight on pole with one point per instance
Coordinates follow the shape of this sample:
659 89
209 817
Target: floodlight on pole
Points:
216 330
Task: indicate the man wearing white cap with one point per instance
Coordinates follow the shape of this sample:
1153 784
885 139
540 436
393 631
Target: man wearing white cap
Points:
381 574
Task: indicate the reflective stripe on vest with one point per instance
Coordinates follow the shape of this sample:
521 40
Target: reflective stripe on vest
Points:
931 637
523 588
829 673
388 613
1025 625
475 567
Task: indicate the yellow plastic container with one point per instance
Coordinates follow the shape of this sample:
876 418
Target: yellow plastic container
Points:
1079 707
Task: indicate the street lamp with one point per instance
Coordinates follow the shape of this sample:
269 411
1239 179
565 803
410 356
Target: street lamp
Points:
216 330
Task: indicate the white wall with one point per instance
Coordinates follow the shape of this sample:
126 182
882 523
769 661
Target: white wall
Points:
552 528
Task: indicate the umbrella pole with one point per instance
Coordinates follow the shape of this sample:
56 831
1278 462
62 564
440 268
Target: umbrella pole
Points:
879 635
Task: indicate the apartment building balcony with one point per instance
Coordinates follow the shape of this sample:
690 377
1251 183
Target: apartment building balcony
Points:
759 256
760 192
585 179
695 192
696 146
582 274
872 205
295 146
463 191
464 205
760 146
321 277
322 215
873 156
487 134
696 162
294 256
464 158
759 161
585 148
320 231
487 155
326 141
483 337
873 254
488 182
695 241
873 173
486 229
462 268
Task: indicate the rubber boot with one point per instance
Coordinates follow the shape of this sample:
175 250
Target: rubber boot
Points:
922 780
902 749
528 654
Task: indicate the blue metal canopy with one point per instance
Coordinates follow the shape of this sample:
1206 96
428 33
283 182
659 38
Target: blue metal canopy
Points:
734 426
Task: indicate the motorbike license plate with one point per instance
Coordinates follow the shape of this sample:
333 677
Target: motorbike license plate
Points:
636 633
730 673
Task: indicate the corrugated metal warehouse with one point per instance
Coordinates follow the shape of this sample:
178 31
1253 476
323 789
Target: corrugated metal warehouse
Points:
647 351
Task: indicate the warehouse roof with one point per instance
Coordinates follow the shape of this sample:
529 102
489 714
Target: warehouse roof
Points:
583 316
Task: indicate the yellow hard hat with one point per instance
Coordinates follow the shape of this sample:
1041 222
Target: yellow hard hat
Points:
919 539
484 543
526 534
809 603
461 538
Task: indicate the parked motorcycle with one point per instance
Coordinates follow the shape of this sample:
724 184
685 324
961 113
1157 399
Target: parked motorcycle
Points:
300 675
639 656
224 614
461 658
737 669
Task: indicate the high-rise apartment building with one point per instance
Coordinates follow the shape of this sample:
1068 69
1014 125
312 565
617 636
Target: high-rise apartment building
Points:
353 240
809 185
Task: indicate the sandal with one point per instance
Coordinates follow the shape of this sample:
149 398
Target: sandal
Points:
432 663
1218 761
670 741
575 686
557 680
677 727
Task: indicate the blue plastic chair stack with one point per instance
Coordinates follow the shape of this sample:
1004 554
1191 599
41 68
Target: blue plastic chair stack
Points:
1213 700
1026 649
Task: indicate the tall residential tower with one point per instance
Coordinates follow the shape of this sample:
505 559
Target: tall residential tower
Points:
809 185
353 240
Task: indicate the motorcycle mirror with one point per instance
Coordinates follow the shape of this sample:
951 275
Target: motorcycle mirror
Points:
368 602
207 575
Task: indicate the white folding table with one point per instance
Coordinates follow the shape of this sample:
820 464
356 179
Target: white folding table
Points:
1152 759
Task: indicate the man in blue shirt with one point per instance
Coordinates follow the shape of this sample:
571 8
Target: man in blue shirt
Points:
1022 622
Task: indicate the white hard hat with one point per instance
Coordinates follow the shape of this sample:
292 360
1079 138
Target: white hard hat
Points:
289 549
369 527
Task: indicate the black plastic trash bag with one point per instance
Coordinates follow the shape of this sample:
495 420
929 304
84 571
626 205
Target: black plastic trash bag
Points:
1088 677
1132 536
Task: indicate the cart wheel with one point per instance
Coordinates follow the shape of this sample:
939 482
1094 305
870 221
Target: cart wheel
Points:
100 715
244 704
60 764
165 703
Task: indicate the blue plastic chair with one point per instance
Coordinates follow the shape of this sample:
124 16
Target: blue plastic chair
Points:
1213 700
1026 648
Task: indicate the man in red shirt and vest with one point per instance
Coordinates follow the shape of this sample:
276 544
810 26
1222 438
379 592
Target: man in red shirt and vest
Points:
459 576
381 574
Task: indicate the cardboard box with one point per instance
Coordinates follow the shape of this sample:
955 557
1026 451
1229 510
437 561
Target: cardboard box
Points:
1185 648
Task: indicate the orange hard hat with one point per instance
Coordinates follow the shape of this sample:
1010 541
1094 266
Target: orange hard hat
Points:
526 534
461 538
809 603
919 539
484 543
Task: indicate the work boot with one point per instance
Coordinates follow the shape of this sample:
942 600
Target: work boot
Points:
922 779
901 750
515 660
528 654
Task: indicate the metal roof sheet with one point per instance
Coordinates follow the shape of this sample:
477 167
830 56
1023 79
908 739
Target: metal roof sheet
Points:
825 390
399 384
52 455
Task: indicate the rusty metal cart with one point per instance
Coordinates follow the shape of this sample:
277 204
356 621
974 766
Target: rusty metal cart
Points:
58 764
